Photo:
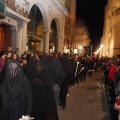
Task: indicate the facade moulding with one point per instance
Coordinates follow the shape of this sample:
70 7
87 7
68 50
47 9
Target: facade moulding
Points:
15 15
60 6
9 21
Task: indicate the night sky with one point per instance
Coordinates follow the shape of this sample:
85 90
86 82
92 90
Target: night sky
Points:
92 12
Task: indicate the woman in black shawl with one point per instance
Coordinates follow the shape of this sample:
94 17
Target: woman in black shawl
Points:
44 106
16 92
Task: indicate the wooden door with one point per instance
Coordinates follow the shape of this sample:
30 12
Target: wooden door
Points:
1 39
7 37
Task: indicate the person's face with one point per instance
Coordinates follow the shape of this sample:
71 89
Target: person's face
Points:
9 55
9 49
15 56
24 62
76 56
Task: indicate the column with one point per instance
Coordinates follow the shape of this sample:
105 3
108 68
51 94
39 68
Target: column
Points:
22 35
91 51
46 41
14 39
59 44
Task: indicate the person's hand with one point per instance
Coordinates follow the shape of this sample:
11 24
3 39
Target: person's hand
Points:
117 107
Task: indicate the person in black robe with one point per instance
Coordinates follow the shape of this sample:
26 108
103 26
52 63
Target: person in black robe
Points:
69 75
44 106
16 92
54 66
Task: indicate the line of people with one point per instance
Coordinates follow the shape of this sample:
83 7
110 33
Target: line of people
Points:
112 83
34 84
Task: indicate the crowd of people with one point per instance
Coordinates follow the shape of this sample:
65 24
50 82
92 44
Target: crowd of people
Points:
35 84
112 82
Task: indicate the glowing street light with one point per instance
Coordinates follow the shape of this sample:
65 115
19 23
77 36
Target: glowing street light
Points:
81 47
102 46
99 49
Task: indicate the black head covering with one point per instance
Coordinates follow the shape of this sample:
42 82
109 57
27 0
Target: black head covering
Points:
12 83
29 67
44 106
38 66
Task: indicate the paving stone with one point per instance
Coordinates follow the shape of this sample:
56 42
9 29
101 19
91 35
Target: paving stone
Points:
87 100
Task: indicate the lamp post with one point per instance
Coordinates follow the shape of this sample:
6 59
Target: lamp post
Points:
81 47
100 52
91 51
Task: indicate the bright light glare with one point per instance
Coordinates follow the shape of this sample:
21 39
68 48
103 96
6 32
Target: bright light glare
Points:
95 52
81 47
75 51
102 46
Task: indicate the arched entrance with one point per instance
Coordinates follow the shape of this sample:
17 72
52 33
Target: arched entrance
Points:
55 42
53 39
35 30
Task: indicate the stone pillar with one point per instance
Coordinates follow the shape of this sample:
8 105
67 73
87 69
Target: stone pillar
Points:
46 41
22 35
14 39
59 44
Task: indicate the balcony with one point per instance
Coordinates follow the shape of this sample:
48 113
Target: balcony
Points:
67 4
18 6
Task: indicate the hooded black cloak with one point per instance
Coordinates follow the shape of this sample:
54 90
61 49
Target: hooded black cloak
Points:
16 92
44 106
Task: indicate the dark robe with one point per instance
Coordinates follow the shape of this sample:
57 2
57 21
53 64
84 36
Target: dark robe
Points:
16 92
44 106
56 69
69 76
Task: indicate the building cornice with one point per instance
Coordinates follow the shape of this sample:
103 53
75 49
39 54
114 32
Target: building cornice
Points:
15 15
60 6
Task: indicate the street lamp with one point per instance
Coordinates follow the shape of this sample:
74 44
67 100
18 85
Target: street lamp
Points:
91 51
102 46
81 47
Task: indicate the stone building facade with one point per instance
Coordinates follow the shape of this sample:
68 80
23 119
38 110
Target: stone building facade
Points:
111 35
14 28
70 20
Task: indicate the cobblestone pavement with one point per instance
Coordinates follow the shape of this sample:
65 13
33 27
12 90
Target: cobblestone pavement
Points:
87 100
